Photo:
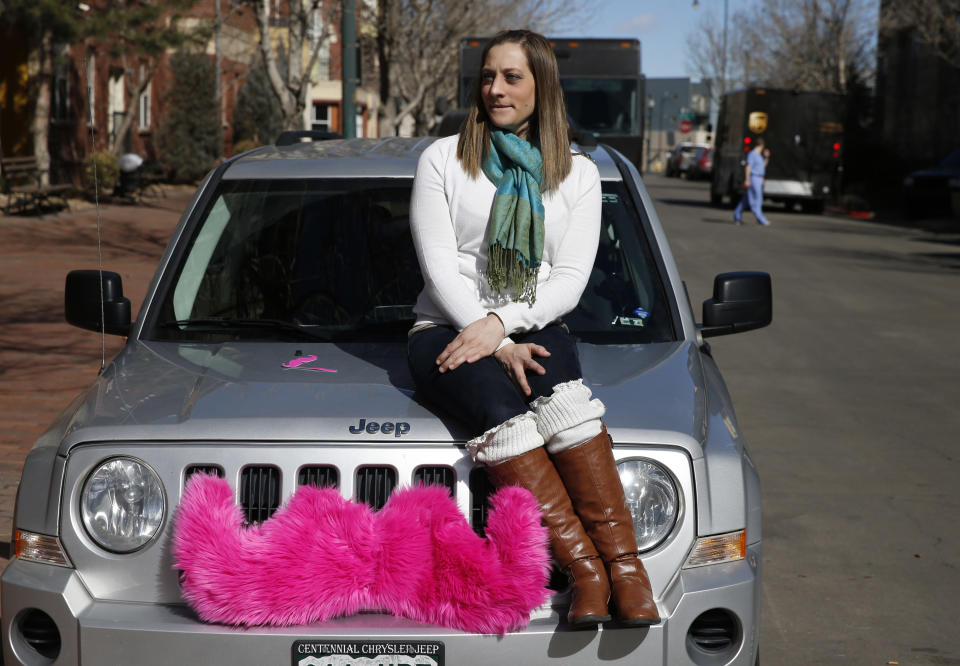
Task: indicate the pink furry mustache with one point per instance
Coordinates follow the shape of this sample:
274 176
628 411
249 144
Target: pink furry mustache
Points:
321 557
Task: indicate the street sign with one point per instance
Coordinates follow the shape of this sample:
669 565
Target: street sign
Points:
685 126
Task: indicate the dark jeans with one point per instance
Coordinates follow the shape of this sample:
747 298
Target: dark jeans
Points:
481 394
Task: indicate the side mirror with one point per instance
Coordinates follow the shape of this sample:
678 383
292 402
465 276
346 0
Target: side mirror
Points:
83 305
741 301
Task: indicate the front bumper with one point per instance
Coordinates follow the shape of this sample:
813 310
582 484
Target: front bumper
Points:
92 631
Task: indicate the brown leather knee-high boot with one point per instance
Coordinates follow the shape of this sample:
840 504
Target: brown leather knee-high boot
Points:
589 473
572 548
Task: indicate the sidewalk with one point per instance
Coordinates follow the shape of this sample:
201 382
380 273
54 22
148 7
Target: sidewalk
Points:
44 362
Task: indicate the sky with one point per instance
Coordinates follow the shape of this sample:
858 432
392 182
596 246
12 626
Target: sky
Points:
662 26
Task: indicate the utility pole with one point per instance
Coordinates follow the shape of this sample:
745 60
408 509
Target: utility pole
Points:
723 65
649 133
663 132
348 58
218 58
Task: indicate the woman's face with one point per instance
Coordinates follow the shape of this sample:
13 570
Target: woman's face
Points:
508 88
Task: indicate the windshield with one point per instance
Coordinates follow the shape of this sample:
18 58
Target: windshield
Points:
951 161
603 106
333 259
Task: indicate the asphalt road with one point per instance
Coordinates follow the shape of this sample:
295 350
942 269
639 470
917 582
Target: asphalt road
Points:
849 403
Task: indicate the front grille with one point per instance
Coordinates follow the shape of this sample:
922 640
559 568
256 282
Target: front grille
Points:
40 632
374 484
715 630
216 470
435 476
260 485
259 492
321 476
480 490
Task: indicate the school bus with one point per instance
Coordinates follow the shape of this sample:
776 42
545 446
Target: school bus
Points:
803 130
602 86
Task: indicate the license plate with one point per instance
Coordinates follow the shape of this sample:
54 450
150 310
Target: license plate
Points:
367 653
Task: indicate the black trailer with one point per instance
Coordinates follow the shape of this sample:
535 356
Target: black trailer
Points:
602 85
802 129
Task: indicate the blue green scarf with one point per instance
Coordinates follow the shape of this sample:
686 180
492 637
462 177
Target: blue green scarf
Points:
515 236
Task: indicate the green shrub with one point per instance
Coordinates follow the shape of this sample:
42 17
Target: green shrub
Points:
107 171
257 115
189 136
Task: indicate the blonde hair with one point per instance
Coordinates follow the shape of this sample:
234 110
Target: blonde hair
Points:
548 127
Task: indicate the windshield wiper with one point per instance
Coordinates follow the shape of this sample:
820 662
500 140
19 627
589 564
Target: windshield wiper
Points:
238 322
365 330
361 331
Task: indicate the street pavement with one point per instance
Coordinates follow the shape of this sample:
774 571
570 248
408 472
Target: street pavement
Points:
848 402
849 405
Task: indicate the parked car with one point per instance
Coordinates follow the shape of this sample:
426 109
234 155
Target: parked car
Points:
270 350
701 166
927 192
681 157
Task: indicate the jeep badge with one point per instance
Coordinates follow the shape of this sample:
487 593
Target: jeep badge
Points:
372 427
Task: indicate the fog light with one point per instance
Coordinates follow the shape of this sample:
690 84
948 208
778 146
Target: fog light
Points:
40 548
39 631
717 549
714 632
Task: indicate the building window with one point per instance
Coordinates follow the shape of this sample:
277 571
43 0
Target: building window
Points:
91 88
115 104
273 15
143 120
61 90
322 120
315 32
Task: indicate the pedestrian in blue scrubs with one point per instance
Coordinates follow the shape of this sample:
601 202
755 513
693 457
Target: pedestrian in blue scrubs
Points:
753 182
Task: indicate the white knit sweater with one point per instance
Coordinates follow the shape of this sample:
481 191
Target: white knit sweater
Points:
449 214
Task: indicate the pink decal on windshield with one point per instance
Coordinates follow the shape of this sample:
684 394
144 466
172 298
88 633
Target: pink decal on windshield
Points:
298 364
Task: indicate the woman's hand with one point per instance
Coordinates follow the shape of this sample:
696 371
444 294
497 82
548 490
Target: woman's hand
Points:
476 341
517 359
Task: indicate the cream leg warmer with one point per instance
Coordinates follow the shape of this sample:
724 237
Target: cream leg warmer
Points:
507 440
568 417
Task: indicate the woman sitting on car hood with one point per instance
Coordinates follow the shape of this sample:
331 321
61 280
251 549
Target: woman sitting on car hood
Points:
506 221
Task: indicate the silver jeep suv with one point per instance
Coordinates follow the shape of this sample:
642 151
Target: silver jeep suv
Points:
271 351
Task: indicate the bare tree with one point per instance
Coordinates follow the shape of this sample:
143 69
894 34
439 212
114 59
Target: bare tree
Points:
935 23
416 42
804 44
714 55
310 26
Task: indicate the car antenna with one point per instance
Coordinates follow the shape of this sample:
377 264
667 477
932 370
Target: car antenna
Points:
96 200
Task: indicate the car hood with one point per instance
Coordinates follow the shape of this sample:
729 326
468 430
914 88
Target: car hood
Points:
261 392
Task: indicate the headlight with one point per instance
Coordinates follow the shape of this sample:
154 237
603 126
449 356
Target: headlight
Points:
652 498
122 504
